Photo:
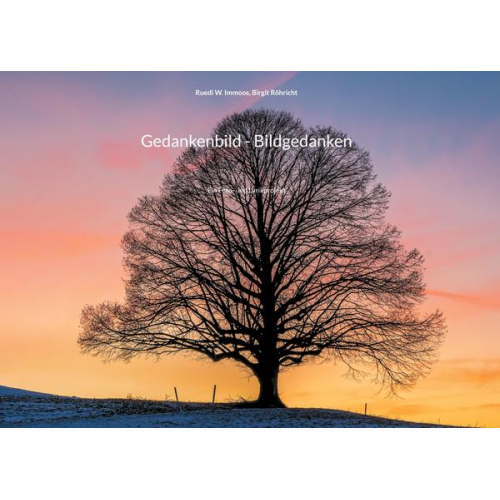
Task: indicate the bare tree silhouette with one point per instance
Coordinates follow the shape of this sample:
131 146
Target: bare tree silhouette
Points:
270 257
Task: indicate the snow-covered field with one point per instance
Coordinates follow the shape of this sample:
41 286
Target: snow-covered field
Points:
10 391
20 408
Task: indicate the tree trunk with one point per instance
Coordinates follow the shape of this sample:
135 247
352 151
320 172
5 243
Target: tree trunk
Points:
268 394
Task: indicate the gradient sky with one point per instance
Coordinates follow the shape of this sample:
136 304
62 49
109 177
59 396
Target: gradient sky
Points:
71 167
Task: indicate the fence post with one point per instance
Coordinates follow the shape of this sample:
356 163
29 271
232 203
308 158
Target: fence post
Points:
176 397
213 396
366 406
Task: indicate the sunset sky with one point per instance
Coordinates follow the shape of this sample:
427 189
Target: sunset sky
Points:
72 166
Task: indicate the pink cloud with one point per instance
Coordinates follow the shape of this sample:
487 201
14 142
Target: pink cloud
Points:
119 155
488 302
131 155
49 246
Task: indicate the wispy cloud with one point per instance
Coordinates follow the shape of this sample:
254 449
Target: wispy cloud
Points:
51 246
482 301
474 371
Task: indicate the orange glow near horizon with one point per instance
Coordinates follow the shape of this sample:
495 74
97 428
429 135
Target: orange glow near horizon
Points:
70 171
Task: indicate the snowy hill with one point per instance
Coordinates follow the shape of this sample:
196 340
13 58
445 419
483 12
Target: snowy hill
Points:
11 391
19 408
